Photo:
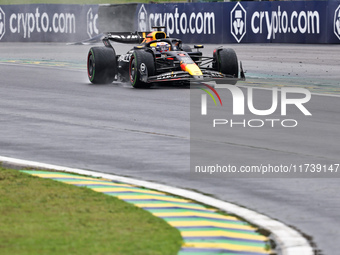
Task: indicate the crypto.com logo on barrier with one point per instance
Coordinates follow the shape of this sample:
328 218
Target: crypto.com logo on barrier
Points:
142 19
92 18
2 23
238 19
238 106
337 22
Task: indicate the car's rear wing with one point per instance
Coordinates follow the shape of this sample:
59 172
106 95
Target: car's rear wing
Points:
136 37
126 37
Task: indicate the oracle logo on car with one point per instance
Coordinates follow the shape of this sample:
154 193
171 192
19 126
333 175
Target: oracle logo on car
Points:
238 106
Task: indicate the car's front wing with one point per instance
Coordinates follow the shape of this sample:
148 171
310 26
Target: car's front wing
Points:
208 75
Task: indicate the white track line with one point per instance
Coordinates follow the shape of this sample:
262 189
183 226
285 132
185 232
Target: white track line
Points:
288 240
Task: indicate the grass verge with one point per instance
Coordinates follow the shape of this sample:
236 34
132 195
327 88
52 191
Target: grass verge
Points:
41 216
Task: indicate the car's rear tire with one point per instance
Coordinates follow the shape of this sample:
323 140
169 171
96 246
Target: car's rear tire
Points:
101 65
225 61
142 65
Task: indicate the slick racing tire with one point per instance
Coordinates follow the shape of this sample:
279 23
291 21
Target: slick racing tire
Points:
225 61
101 65
142 65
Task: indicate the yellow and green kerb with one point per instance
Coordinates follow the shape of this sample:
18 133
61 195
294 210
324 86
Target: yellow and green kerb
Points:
204 230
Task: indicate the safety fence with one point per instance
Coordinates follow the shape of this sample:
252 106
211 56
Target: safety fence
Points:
217 22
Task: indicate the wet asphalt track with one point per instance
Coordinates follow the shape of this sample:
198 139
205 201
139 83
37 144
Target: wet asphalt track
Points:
50 113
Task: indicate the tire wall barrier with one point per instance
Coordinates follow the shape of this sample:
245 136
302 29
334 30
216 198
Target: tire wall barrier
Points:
219 22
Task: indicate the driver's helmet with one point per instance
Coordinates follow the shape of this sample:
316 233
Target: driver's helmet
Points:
162 47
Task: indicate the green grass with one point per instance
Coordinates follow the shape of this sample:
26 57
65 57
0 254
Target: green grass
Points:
42 216
5 2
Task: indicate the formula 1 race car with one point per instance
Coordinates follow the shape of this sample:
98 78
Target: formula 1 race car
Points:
157 59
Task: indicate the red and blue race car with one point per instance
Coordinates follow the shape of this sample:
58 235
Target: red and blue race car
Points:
158 58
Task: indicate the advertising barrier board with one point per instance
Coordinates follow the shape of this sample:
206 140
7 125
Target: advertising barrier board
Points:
246 22
47 23
217 22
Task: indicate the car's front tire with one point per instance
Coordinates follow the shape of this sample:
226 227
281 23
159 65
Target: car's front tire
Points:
225 61
101 65
142 65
